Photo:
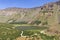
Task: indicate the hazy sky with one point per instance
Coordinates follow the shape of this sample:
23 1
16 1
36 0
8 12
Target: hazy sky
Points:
23 3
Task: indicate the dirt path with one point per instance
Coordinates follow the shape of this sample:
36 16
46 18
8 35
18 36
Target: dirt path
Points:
21 38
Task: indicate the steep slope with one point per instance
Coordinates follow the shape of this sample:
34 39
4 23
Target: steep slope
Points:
29 15
18 14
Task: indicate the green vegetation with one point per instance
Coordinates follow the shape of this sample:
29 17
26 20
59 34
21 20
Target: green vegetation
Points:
39 35
37 22
23 22
9 32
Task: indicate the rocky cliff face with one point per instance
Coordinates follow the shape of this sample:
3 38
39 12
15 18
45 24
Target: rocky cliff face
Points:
15 14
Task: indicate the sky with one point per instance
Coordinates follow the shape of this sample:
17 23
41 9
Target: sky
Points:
23 3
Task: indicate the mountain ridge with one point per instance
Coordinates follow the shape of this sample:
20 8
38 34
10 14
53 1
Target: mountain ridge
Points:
26 11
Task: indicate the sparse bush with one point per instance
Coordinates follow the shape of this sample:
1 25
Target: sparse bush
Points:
45 23
23 22
37 22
